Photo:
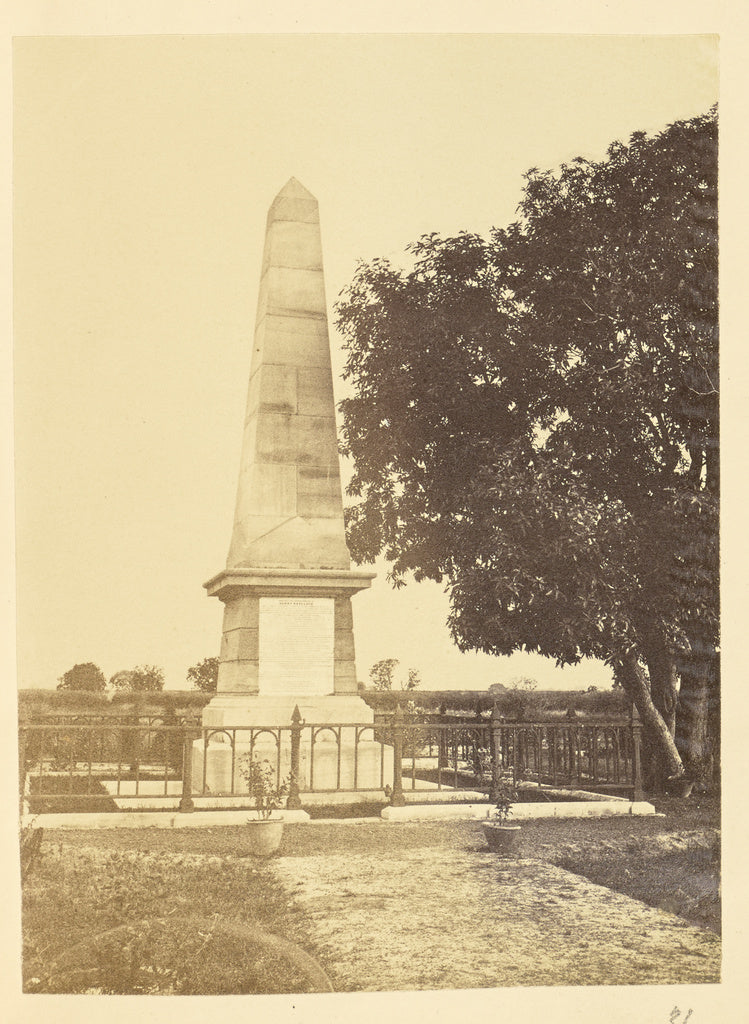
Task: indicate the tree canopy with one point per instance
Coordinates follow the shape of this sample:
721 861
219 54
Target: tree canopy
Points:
204 675
143 679
382 674
535 419
86 676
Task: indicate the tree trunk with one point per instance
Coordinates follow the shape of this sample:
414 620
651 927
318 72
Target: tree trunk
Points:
664 679
698 719
664 690
657 733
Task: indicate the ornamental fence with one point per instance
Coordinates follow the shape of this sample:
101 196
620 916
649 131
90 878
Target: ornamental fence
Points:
109 763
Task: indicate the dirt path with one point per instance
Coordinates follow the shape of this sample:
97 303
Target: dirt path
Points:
455 916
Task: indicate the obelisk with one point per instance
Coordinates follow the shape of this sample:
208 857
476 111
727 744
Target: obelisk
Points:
288 630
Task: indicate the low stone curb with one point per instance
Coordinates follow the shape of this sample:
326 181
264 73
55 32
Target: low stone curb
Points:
411 812
520 811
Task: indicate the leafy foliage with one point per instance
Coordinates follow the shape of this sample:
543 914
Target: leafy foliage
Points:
204 675
535 420
382 675
42 702
143 679
539 705
260 778
524 684
86 677
504 794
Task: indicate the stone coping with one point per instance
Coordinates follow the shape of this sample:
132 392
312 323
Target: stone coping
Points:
150 819
277 581
413 812
520 811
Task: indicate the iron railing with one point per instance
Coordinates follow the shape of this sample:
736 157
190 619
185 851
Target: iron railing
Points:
107 762
601 756
100 761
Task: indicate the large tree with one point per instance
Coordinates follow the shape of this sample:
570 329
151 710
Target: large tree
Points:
535 423
85 676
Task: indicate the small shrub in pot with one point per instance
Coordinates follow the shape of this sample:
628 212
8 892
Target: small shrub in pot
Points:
502 837
264 831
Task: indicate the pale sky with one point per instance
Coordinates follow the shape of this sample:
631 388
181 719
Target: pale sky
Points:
144 168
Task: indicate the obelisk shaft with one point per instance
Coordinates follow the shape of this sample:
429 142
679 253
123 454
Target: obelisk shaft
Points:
289 512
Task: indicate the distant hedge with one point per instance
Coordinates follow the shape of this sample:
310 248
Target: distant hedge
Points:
83 702
429 700
529 704
51 701
165 700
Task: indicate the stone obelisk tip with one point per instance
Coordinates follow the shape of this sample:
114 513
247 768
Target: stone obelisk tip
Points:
295 204
294 189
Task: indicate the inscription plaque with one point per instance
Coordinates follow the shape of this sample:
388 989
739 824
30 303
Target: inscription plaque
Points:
296 645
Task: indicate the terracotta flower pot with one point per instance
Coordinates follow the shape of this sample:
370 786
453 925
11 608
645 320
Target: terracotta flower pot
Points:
502 839
262 836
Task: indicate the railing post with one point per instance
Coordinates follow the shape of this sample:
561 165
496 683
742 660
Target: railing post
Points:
172 752
293 801
553 761
636 726
134 735
478 738
496 752
186 804
594 754
397 798
442 739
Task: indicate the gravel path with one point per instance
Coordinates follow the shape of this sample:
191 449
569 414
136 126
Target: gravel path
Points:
452 915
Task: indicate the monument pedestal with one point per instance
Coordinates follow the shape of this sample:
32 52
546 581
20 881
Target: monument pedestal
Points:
337 749
288 642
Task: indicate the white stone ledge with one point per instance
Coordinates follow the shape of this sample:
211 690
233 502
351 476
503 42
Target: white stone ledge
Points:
414 812
150 819
229 580
520 812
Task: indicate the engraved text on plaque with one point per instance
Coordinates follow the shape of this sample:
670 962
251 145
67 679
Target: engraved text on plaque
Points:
296 645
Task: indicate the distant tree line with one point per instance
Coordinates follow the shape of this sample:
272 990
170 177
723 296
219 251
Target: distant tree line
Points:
89 678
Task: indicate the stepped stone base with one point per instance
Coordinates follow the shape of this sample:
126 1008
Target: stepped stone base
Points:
235 710
342 756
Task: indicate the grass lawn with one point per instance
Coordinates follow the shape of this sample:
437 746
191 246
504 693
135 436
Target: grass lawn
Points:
672 863
74 892
89 882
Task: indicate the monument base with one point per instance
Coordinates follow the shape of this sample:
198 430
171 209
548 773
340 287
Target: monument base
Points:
338 750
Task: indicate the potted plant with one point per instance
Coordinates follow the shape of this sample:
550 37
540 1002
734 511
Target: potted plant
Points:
502 837
264 831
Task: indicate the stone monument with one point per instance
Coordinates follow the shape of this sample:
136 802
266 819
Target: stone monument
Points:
288 636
